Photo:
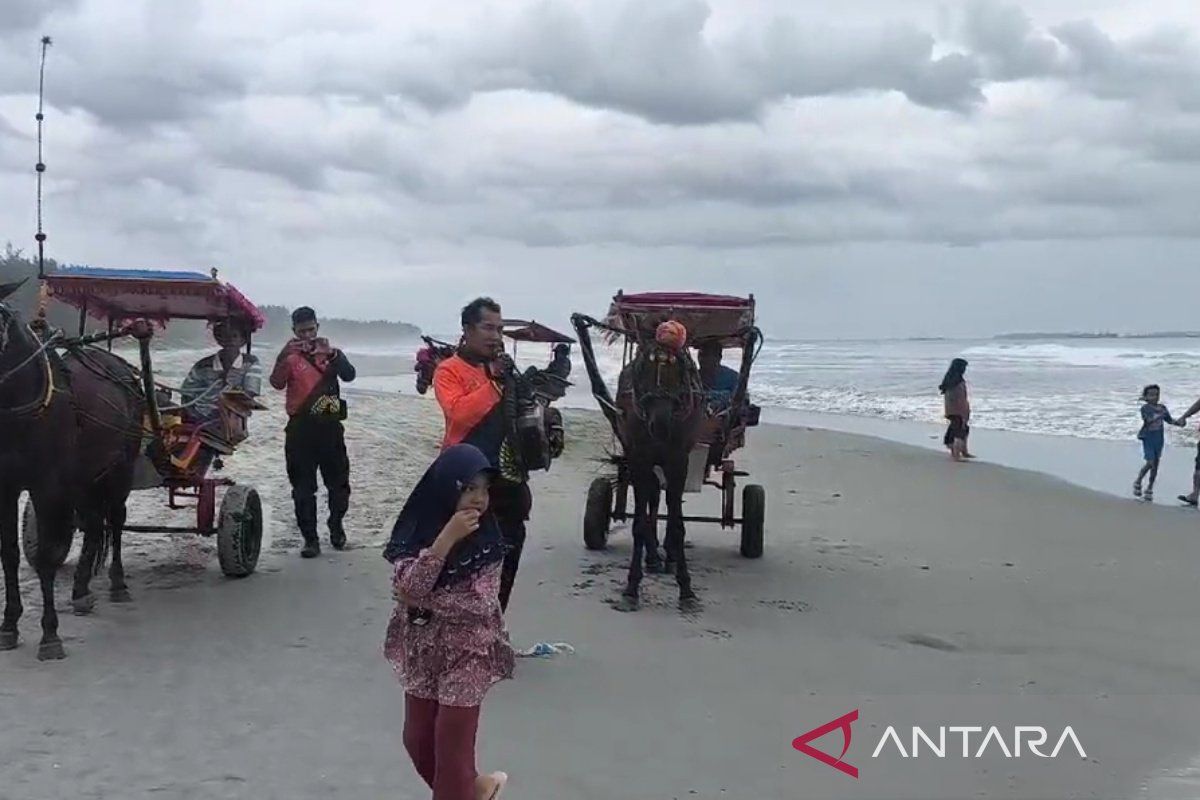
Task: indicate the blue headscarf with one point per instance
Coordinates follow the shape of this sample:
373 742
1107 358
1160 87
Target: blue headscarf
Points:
431 505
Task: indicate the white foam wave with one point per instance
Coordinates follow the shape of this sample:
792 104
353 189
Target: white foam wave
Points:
1050 353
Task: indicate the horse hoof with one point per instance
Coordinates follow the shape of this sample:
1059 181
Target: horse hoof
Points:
627 604
51 651
669 568
689 605
84 605
120 596
655 568
8 640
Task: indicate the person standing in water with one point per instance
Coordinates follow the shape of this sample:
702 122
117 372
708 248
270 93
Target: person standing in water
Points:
1153 438
957 409
446 639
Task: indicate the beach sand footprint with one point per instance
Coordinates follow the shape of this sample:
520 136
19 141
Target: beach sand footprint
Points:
931 642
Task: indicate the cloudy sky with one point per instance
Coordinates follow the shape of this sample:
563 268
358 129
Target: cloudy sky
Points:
893 167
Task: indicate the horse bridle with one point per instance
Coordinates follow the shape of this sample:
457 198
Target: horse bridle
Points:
42 400
687 399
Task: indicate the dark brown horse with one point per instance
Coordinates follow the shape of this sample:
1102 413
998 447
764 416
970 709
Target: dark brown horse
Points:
660 417
109 407
69 432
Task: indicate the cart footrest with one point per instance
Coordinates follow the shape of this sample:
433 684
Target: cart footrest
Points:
162 529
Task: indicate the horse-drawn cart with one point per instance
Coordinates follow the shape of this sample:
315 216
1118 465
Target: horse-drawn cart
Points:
726 322
180 448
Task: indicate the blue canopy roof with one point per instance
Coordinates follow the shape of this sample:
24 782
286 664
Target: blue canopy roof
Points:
130 274
161 295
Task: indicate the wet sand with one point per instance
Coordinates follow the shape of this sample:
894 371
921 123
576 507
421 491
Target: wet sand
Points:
894 582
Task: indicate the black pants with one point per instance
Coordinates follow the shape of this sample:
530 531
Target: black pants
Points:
511 504
315 444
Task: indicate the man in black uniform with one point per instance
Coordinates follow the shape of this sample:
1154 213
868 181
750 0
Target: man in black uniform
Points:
308 368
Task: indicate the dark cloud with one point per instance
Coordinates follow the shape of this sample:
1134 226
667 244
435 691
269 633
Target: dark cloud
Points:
1007 43
1160 66
19 16
659 61
677 141
130 69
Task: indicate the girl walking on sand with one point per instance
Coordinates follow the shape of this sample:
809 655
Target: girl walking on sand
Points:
445 640
957 409
1153 438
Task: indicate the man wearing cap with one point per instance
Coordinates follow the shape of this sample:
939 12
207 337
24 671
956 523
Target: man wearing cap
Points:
309 369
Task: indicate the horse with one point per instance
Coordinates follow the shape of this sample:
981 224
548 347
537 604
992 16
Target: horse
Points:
661 415
71 432
110 407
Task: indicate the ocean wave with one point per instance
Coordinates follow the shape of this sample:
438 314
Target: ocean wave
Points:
1048 388
1049 353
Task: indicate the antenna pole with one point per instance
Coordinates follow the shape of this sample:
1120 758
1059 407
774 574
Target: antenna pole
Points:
41 166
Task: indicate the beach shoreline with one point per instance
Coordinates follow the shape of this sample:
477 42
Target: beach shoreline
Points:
894 582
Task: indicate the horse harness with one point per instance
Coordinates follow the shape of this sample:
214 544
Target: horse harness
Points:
41 401
36 407
685 400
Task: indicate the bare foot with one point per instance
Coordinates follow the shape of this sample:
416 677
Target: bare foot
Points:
488 787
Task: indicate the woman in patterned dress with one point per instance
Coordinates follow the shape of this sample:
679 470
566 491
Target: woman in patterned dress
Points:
446 638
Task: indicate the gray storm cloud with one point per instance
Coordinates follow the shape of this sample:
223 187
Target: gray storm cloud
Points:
638 139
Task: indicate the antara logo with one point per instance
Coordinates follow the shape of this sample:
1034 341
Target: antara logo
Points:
921 743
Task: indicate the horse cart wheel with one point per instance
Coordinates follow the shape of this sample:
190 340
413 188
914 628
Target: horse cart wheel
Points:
239 531
754 512
29 537
596 514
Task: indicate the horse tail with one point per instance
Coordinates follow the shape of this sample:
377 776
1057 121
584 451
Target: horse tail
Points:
103 551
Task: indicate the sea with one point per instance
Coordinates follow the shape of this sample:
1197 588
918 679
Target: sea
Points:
1068 406
1081 388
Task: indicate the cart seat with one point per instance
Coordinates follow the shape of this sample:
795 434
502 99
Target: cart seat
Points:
188 446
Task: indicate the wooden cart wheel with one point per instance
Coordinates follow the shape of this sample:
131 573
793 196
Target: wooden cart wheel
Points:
754 512
239 531
29 537
596 514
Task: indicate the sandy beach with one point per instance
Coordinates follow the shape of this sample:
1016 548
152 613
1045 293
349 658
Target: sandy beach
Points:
894 582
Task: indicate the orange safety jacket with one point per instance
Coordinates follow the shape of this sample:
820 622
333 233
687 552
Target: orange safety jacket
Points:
468 395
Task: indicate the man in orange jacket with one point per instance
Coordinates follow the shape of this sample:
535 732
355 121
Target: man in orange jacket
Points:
469 387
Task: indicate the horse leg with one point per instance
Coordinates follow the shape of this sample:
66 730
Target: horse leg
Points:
630 598
82 599
654 561
676 534
54 536
11 559
118 591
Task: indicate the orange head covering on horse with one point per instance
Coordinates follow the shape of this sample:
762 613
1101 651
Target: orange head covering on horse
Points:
671 335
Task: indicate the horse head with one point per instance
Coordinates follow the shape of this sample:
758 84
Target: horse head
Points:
8 317
661 388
